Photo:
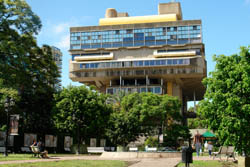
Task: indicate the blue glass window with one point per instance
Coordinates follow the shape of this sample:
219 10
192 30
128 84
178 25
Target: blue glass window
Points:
152 62
158 62
146 63
128 39
117 44
106 45
180 61
161 42
139 44
143 90
149 43
87 66
174 61
157 90
163 62
150 38
127 44
85 46
170 62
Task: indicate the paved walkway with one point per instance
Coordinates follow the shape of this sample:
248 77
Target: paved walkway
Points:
160 162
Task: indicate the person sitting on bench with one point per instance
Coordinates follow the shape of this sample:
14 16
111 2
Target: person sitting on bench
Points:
43 152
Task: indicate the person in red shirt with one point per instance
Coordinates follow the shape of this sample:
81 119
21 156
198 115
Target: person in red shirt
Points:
197 142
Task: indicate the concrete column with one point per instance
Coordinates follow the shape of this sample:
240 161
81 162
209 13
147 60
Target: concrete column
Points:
170 88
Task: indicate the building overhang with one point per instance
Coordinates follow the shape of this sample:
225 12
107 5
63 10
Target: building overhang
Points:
174 54
94 58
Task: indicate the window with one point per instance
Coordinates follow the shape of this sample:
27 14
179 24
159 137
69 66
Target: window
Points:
129 31
157 90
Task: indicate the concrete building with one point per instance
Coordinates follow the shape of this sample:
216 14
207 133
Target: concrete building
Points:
57 56
163 54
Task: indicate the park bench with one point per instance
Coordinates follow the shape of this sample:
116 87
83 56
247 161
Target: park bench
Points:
36 152
224 150
67 149
152 149
230 152
110 149
25 149
95 149
134 149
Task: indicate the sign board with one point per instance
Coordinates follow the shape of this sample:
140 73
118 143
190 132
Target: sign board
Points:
29 138
161 138
14 121
93 142
68 142
50 141
103 143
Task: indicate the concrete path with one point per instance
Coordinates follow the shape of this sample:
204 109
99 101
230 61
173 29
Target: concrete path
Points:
160 162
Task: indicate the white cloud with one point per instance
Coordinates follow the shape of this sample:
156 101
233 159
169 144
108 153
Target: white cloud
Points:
61 28
64 42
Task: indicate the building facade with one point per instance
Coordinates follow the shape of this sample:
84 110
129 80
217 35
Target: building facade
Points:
57 56
163 54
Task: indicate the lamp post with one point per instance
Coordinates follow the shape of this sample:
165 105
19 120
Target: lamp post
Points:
7 104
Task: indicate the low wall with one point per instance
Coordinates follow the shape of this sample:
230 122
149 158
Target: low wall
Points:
141 155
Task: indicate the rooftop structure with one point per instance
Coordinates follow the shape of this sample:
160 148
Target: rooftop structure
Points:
162 54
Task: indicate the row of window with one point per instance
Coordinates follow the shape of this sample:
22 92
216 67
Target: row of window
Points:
111 36
142 36
144 63
172 41
131 31
153 89
129 37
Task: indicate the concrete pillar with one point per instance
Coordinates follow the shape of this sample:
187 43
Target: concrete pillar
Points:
170 88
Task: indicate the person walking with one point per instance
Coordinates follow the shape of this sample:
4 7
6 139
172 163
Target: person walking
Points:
210 148
197 142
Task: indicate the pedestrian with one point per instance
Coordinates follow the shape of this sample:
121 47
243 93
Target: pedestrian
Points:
197 142
210 148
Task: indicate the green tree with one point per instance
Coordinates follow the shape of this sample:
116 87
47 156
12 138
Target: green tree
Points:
226 106
81 111
25 67
198 122
141 114
17 25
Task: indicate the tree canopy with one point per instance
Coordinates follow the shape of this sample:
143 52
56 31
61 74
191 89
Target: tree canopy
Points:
226 107
81 109
25 68
141 114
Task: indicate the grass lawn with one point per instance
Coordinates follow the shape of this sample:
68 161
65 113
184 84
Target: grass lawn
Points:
13 157
210 164
74 163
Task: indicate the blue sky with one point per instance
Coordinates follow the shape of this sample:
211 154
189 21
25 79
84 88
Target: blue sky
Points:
226 23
